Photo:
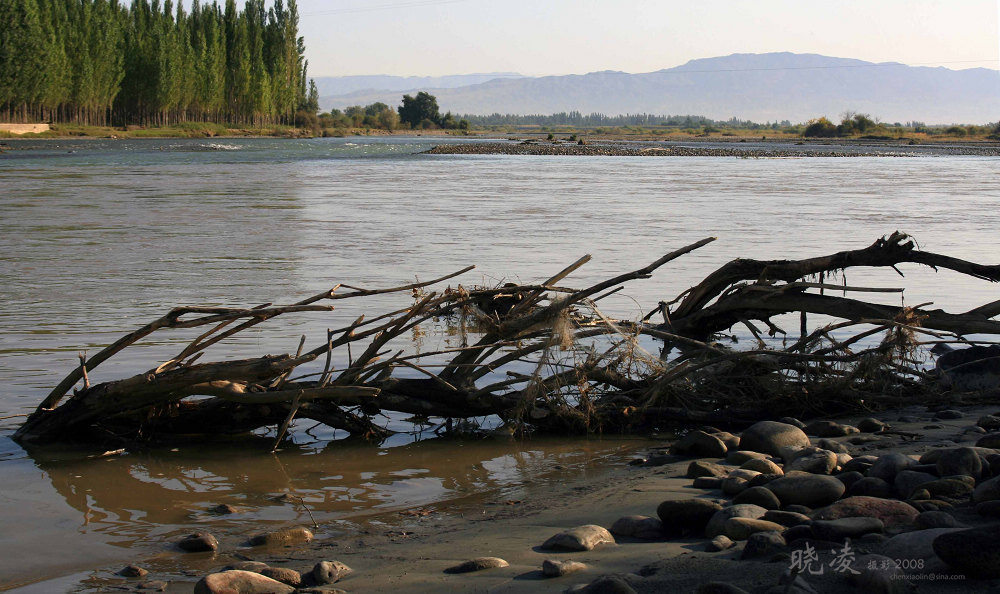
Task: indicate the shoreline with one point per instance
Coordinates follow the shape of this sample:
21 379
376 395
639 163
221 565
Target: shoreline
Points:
409 551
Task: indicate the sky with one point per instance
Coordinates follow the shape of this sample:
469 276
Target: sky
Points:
544 37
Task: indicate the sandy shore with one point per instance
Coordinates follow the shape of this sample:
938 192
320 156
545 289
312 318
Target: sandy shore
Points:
409 551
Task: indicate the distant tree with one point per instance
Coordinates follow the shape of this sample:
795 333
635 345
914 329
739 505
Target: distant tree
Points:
415 110
821 127
376 108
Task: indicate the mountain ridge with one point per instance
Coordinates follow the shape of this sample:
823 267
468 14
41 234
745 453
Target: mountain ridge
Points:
759 87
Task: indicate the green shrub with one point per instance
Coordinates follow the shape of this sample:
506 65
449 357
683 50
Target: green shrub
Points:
820 128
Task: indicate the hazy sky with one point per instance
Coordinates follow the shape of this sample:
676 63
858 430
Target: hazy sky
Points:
539 37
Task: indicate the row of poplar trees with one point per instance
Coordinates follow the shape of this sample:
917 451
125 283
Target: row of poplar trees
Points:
101 62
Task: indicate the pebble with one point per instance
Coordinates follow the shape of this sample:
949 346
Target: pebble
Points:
581 538
738 457
949 414
959 461
817 461
198 542
948 489
224 509
908 481
770 436
833 445
699 468
699 443
478 564
990 440
707 482
871 425
887 466
870 486
763 466
786 518
935 519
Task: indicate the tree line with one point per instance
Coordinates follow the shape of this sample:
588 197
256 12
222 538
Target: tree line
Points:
415 112
101 62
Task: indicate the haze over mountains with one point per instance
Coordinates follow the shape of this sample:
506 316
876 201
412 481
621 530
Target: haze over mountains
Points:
758 87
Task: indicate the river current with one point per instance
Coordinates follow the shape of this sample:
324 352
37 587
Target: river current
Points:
98 237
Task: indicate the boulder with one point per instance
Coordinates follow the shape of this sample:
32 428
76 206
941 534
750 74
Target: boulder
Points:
605 585
643 527
716 525
975 552
241 582
801 488
990 440
948 489
860 464
871 425
707 482
477 564
935 519
581 538
686 516
833 445
891 512
989 423
949 414
770 436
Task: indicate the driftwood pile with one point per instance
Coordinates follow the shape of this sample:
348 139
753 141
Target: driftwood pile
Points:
543 357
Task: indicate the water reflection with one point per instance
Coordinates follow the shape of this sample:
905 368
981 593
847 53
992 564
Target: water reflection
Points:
137 497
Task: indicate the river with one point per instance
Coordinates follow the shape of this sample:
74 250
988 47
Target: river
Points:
98 237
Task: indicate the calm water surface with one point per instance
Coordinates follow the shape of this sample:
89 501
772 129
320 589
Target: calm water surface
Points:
99 237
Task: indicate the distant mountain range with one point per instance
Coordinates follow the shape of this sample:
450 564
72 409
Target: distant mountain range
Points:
758 87
343 85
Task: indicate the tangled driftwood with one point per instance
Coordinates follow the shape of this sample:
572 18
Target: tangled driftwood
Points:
546 357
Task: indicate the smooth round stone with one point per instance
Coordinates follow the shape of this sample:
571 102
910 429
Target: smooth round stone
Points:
987 491
786 518
792 421
285 575
762 479
198 542
935 519
844 528
478 564
698 468
285 537
761 545
948 488
871 425
738 457
605 585
949 414
815 462
328 572
829 429
643 527
687 516
989 422
244 582
769 437
908 481
716 525
699 443
989 508
811 490
975 552
990 440
891 512
707 482
719 543
833 445
742 528
960 461
556 568
849 478
581 538
763 466
871 486
758 496
887 466
133 571
860 464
